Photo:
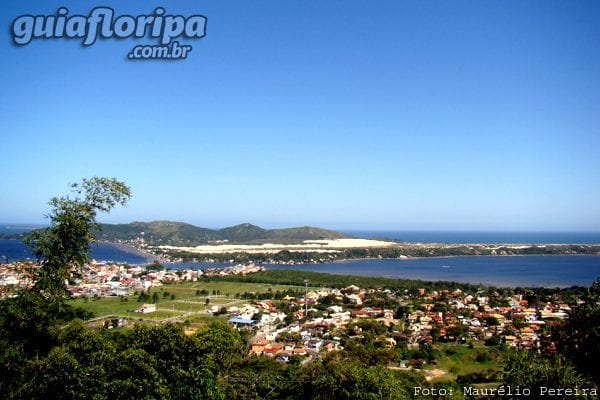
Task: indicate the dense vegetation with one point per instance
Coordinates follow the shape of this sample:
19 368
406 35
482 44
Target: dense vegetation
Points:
182 234
296 277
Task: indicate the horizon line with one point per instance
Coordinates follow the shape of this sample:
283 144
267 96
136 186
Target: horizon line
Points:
8 225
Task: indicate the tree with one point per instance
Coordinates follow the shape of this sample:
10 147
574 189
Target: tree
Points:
351 380
526 369
155 266
579 337
221 345
28 320
65 244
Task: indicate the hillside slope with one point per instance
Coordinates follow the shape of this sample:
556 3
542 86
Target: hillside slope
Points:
183 234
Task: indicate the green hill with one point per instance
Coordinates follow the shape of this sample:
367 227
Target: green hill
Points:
159 232
182 234
304 233
242 233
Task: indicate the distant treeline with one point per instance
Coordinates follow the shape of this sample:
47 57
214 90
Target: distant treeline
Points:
295 277
411 286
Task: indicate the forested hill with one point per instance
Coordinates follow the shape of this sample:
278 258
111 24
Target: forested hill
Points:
179 233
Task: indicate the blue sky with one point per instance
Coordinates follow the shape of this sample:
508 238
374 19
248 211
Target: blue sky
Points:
341 114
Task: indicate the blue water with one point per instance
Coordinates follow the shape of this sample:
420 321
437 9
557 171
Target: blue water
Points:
17 228
502 271
482 237
15 250
198 265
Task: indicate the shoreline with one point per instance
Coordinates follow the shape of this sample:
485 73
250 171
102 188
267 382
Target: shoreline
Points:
408 258
131 249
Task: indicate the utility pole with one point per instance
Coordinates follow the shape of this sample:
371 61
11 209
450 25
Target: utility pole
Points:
306 298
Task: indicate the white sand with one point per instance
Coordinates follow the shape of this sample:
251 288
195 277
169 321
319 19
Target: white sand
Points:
318 246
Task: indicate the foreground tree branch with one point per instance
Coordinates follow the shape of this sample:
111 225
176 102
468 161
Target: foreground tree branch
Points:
65 244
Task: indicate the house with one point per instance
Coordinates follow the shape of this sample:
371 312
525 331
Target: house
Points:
242 323
259 346
335 309
354 299
147 308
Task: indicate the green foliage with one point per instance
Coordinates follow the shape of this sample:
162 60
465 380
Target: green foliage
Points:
493 341
296 277
261 378
155 266
65 245
478 377
147 362
26 321
182 234
531 370
223 345
351 380
425 352
143 298
579 337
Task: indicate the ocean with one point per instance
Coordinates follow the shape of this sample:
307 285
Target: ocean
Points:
480 237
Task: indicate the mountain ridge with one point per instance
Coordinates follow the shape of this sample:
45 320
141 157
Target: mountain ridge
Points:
185 234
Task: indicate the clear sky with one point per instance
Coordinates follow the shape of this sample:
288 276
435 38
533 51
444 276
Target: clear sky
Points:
342 114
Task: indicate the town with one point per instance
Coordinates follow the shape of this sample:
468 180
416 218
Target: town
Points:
301 324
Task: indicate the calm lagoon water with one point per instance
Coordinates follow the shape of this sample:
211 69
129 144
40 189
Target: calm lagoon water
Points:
503 271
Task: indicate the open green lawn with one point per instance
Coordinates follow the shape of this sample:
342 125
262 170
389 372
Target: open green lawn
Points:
183 305
226 288
185 300
107 305
114 306
459 359
158 315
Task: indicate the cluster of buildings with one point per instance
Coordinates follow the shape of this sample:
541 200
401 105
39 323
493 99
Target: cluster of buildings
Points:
284 338
318 319
100 279
304 326
15 275
473 317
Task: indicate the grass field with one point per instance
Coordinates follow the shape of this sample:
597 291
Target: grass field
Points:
460 359
186 300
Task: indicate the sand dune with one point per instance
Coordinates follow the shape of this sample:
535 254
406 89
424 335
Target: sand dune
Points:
320 246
